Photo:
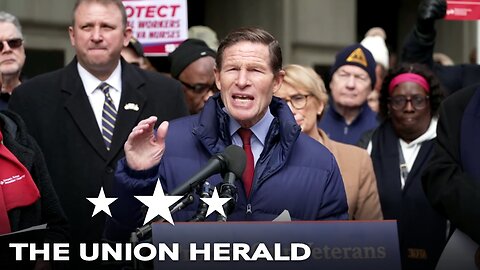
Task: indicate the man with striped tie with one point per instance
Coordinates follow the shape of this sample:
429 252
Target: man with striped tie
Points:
81 115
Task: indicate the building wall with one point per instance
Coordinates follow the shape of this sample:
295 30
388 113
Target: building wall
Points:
44 22
310 31
316 35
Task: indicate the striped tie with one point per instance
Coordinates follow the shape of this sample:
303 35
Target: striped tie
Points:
109 115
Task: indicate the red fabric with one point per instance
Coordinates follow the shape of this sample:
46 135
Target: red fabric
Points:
246 135
17 188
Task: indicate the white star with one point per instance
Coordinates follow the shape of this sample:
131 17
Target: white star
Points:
215 203
101 203
158 204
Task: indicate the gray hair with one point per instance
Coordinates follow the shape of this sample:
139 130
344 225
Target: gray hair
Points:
9 18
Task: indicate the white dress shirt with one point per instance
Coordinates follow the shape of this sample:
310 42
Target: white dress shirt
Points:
95 95
259 131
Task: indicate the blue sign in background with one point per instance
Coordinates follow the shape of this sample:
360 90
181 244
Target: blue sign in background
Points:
338 245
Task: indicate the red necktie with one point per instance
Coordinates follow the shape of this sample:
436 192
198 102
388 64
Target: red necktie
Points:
246 135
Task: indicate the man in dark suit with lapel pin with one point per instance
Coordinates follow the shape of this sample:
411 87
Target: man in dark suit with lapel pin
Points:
67 113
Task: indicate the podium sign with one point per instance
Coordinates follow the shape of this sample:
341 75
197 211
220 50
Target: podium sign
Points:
339 245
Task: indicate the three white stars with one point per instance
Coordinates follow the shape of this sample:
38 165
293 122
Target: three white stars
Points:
158 204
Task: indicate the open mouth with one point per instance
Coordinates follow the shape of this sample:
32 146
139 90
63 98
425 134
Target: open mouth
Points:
242 97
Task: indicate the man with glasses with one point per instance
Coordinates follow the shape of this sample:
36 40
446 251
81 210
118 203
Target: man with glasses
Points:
12 56
353 78
192 63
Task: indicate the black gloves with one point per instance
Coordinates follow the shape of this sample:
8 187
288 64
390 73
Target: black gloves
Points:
428 12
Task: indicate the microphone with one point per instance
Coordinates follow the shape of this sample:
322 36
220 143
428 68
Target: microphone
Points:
230 160
228 190
145 229
233 159
203 207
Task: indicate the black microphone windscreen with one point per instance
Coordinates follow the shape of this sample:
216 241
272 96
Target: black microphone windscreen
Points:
236 158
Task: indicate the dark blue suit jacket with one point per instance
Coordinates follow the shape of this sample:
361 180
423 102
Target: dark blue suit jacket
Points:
294 171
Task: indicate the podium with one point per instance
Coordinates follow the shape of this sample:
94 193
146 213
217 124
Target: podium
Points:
341 245
35 234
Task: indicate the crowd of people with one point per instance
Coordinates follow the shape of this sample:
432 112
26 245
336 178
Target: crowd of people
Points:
382 143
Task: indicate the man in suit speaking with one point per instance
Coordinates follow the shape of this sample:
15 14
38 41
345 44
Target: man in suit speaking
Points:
81 115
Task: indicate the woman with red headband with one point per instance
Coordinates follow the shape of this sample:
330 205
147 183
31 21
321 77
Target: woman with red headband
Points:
400 148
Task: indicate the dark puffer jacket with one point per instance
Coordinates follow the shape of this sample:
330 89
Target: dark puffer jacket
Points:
294 172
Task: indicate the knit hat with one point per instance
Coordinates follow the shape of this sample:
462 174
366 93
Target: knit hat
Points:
185 54
376 45
356 55
136 46
204 33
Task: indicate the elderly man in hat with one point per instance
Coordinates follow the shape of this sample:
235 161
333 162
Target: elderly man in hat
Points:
348 115
193 63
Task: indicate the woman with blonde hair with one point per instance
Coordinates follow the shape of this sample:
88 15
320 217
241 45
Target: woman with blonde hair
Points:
306 95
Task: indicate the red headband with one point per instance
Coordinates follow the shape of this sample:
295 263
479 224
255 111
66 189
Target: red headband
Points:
408 77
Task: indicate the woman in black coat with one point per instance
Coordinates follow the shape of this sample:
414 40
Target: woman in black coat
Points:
400 149
23 172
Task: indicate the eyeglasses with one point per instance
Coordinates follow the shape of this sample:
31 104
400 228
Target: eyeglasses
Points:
12 43
399 102
200 88
298 101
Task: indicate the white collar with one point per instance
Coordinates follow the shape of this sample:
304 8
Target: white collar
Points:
431 133
90 82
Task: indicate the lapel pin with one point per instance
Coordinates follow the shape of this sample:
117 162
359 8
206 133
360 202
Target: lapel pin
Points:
131 106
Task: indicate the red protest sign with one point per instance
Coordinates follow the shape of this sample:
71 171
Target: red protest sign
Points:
159 25
463 10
